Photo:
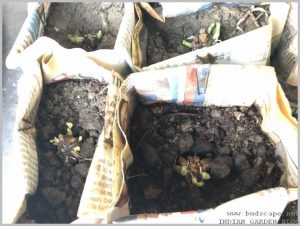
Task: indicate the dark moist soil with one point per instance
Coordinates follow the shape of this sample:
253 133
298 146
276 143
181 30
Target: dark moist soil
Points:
61 184
244 159
290 214
84 18
164 39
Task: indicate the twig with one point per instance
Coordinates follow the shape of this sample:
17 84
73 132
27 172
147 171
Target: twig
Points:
259 16
254 19
105 88
138 175
175 158
78 156
166 197
242 20
263 12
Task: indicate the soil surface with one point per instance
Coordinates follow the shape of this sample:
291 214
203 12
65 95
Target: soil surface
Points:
243 156
61 183
290 214
165 39
84 18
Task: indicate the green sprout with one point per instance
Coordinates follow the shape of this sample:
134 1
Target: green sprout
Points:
205 176
187 44
200 184
75 39
193 169
217 31
184 171
99 35
69 128
210 28
54 141
68 145
194 180
197 183
76 149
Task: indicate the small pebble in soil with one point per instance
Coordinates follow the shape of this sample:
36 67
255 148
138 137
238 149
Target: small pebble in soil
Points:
203 147
221 167
151 158
54 196
185 142
250 176
241 162
224 151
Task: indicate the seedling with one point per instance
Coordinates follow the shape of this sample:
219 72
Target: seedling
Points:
69 128
194 169
75 39
205 37
54 141
197 41
99 34
90 39
187 44
214 30
68 146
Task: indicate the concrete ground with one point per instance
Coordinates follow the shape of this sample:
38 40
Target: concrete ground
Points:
14 15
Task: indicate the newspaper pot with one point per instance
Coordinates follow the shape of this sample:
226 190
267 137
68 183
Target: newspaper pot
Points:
34 25
285 58
45 62
286 54
224 52
177 85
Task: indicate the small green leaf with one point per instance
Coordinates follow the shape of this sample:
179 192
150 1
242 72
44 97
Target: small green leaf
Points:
210 28
75 38
54 141
183 171
76 149
217 31
194 181
186 44
69 128
205 176
69 124
99 34
200 184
